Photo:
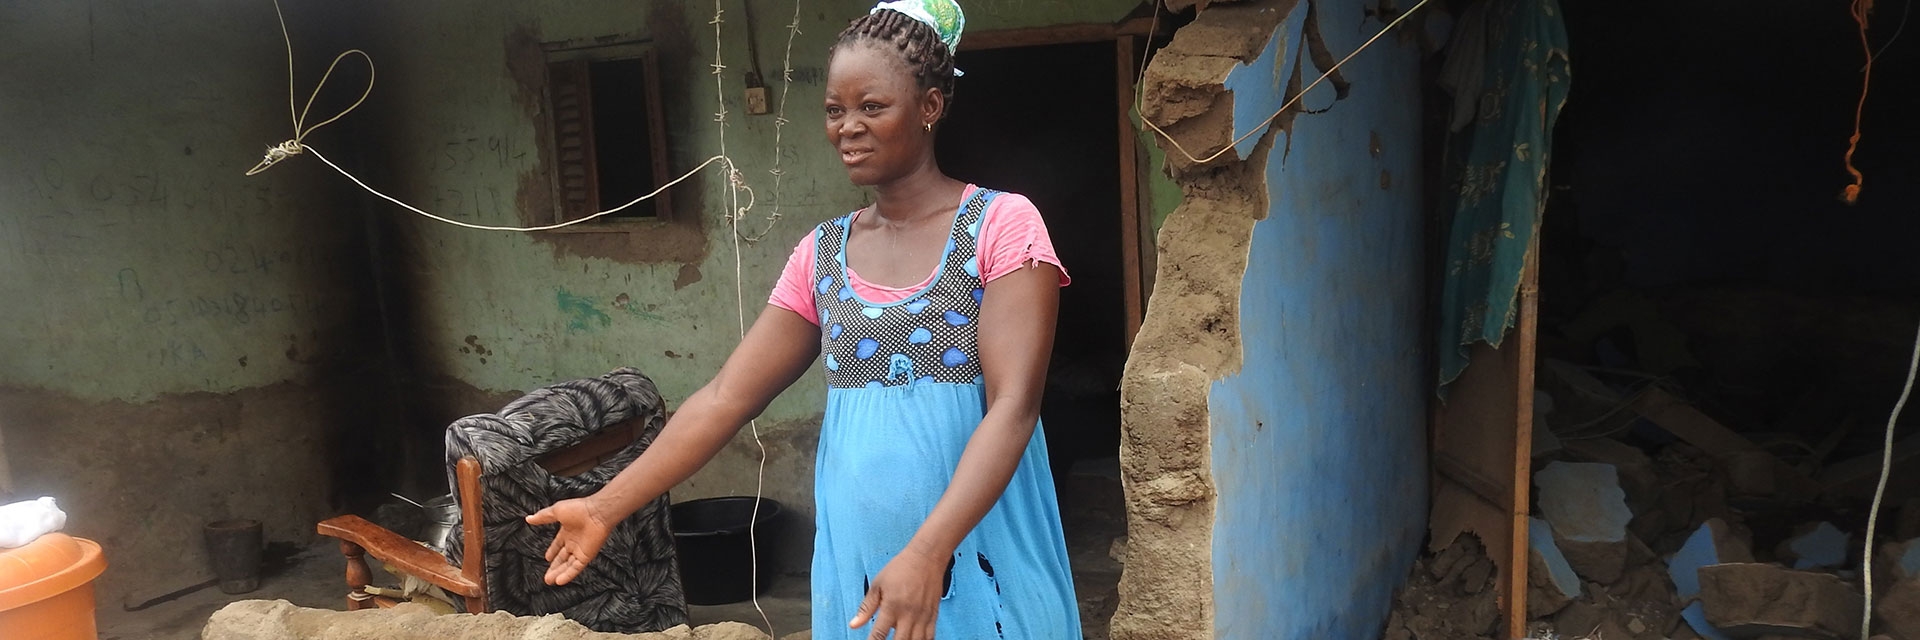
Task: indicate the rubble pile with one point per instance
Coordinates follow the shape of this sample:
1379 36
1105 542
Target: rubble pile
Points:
1450 595
1657 523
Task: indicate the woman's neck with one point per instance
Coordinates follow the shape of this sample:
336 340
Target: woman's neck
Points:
926 190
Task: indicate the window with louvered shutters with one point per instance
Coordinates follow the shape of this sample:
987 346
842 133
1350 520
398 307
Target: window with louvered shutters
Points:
609 133
572 97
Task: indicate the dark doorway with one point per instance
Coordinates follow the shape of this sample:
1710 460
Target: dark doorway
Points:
1040 121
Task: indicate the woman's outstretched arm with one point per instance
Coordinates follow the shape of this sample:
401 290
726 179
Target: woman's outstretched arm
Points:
769 359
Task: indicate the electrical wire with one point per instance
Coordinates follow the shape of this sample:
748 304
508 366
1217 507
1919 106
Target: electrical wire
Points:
1880 492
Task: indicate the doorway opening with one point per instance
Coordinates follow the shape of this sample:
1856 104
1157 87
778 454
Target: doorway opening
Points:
1040 121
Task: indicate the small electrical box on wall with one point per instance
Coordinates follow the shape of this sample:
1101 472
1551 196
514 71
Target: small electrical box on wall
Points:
756 95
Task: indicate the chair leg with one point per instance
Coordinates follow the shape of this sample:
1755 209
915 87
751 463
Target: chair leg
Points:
358 576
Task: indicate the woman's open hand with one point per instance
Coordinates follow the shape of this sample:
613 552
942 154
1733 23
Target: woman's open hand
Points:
583 530
904 598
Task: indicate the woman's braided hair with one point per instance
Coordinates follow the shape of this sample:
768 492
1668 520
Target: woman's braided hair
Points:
929 59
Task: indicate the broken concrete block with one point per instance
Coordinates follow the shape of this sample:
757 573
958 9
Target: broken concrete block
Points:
1636 471
1713 543
1551 581
1816 547
1588 511
1898 611
1758 599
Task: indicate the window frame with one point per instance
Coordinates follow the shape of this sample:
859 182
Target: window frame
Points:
580 56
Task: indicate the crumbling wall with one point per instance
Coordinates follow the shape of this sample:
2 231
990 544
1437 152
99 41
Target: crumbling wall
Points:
1274 442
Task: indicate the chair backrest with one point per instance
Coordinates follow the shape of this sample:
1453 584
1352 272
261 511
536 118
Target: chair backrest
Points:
563 441
589 453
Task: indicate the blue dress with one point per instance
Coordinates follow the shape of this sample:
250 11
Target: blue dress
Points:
905 393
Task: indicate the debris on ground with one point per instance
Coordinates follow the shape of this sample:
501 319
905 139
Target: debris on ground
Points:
1751 599
1551 581
1449 596
1653 521
1588 514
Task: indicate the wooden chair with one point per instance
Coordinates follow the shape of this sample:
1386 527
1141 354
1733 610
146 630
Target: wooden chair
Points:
360 538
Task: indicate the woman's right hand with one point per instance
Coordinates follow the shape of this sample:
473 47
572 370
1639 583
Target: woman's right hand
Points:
584 528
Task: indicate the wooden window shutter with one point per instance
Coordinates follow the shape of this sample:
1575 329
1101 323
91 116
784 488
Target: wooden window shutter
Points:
570 90
657 128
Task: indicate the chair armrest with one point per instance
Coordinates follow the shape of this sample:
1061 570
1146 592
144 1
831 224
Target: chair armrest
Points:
407 556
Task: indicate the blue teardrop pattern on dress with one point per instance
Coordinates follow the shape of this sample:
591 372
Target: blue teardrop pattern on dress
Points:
832 364
974 229
899 367
846 293
866 349
979 295
917 306
924 380
826 285
834 332
953 357
872 312
920 336
826 315
957 319
973 266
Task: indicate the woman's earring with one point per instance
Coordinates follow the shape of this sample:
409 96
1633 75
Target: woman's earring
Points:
929 127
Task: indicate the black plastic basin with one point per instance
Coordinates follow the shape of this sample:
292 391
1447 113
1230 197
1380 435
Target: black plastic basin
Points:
716 556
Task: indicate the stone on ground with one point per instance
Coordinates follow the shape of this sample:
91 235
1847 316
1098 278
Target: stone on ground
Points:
1588 510
1817 547
1551 581
1713 543
1638 477
1748 600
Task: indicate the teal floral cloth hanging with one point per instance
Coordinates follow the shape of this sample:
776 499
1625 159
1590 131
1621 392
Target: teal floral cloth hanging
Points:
1509 71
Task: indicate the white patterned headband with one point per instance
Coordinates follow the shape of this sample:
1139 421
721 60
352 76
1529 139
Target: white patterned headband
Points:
943 15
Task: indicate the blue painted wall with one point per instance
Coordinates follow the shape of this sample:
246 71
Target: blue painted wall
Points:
1319 450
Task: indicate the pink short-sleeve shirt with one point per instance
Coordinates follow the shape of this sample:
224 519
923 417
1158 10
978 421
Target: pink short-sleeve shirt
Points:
1012 235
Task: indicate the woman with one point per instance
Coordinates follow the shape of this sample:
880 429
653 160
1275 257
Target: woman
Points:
935 309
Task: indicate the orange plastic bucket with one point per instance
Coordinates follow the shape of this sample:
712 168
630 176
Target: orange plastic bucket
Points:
46 588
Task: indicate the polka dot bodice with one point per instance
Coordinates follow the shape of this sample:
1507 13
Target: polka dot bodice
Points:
930 336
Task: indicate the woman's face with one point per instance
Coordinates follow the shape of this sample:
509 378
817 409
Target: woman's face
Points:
877 114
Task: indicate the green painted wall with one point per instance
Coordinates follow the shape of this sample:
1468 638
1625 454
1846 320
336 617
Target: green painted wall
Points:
460 135
178 342
141 260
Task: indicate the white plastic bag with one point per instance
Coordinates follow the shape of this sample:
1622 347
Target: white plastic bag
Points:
23 522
